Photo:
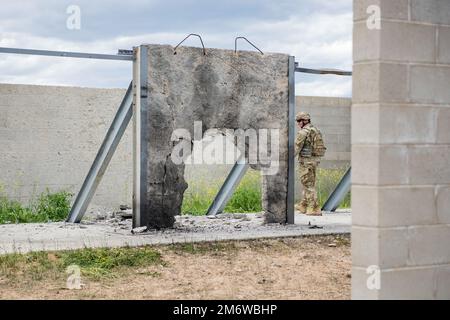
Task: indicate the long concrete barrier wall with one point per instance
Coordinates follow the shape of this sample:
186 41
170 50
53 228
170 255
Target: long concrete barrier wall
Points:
50 135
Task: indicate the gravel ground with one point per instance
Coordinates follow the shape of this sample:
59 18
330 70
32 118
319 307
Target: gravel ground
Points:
110 230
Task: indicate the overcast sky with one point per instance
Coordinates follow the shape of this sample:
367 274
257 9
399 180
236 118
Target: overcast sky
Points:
317 32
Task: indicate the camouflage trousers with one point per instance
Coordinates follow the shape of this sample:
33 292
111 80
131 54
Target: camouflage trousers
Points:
308 168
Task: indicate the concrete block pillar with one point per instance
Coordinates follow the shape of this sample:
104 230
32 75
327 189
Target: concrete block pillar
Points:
401 150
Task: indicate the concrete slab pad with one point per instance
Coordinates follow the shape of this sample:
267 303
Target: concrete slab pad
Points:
116 233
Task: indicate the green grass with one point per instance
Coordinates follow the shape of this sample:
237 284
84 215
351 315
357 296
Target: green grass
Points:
97 263
247 197
47 207
94 263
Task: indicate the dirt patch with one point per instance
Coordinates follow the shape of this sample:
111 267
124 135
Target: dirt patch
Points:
316 267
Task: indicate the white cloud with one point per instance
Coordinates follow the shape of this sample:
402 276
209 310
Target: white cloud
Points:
327 87
319 39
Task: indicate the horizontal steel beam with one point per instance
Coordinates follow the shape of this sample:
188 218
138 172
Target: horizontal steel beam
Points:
67 54
324 71
125 55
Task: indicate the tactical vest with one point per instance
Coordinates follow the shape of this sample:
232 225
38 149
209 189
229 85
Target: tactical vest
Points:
306 151
314 145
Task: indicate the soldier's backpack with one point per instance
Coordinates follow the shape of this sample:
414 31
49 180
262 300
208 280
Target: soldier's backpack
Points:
317 144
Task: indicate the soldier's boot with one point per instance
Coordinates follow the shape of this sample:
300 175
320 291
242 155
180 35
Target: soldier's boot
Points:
301 207
314 211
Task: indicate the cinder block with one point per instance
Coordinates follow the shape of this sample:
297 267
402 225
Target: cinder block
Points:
337 147
406 206
343 156
407 284
390 9
365 123
429 84
429 164
428 245
385 248
444 45
380 82
321 118
335 128
393 165
393 247
417 125
443 125
338 156
366 43
365 211
407 42
393 82
443 283
435 11
379 165
335 164
364 157
366 83
345 139
365 246
360 290
330 138
443 204
393 206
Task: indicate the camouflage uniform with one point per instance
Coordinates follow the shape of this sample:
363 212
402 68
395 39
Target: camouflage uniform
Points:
308 167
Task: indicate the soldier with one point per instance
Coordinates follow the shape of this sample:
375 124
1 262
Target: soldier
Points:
310 148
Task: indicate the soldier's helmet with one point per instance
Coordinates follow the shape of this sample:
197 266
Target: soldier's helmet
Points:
302 116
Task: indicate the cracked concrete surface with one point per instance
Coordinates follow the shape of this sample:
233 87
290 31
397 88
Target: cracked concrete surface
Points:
223 90
114 232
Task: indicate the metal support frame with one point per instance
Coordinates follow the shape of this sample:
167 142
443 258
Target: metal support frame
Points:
324 71
291 144
343 187
141 136
338 195
67 54
103 157
229 186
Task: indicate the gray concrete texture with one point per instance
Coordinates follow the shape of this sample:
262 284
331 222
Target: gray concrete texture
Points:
223 90
114 232
401 150
49 136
